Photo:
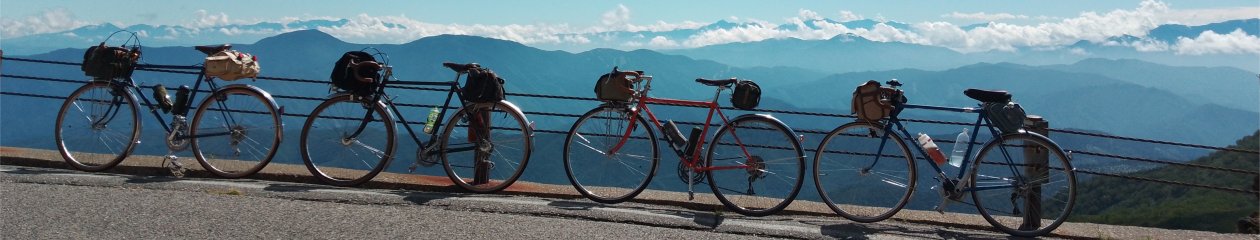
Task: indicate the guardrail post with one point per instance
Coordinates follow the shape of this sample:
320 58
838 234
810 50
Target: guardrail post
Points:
481 157
1035 168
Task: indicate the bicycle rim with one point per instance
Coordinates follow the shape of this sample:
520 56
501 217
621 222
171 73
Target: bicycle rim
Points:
1029 197
336 157
485 147
610 178
768 177
235 132
97 127
858 180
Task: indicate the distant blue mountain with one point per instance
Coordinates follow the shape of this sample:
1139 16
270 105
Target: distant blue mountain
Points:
159 36
1067 99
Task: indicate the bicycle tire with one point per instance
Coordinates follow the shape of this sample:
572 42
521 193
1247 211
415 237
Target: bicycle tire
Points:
335 164
488 148
842 159
792 161
85 161
250 125
1061 201
604 182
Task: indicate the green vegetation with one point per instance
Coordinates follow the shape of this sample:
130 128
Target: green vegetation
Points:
1129 202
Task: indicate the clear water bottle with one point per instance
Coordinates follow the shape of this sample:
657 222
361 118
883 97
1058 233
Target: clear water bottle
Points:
960 148
428 124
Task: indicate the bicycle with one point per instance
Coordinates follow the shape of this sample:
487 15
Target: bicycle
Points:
354 137
609 158
857 185
233 133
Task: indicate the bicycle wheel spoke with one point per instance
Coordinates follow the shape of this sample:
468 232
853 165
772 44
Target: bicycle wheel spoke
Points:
609 178
851 180
333 155
770 166
1031 187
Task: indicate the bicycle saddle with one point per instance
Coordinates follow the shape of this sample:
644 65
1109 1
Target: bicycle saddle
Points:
461 68
212 49
988 95
723 82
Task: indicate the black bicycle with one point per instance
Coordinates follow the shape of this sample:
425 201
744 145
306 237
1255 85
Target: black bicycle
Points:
1021 182
484 147
234 131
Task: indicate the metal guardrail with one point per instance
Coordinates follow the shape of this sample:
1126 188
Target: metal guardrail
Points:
168 69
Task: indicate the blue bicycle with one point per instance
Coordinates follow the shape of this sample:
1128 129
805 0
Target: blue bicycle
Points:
1020 181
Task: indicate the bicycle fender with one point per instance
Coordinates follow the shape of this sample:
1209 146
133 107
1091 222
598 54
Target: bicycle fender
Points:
517 110
378 103
265 94
795 137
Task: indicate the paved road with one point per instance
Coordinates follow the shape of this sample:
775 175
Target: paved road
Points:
39 203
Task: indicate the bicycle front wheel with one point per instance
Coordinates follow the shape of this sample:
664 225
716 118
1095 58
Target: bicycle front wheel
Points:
485 146
613 178
863 173
1023 184
97 127
756 165
235 132
347 141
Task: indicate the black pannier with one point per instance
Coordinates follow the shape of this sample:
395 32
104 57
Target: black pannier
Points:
746 95
357 72
1007 117
105 62
483 86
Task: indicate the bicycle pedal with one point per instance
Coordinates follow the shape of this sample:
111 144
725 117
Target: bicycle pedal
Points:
412 168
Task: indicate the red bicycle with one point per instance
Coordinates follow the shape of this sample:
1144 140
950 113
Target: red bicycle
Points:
754 165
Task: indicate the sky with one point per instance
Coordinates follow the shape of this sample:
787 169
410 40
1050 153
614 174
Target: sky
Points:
938 23
577 13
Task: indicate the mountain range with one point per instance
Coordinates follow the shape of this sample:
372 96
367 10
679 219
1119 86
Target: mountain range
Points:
840 53
1125 97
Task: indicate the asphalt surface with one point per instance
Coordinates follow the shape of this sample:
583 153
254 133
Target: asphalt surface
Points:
139 199
40 203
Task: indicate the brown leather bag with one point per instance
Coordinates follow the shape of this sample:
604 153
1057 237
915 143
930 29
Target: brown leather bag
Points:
866 102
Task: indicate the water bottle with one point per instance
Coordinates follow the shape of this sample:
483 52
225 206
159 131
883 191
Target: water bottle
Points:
960 148
934 152
674 136
181 101
432 119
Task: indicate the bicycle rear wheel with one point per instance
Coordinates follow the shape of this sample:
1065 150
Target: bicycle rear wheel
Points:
1025 184
764 161
331 150
235 132
610 178
485 146
97 127
862 176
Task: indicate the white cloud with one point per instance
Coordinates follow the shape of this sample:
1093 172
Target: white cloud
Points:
206 19
982 16
400 29
1209 42
662 42
846 16
1211 15
48 21
808 14
616 17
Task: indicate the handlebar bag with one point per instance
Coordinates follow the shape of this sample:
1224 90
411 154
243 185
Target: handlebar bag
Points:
231 65
105 62
866 102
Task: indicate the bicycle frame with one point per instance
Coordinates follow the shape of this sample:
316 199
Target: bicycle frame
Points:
379 95
691 161
130 87
981 120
